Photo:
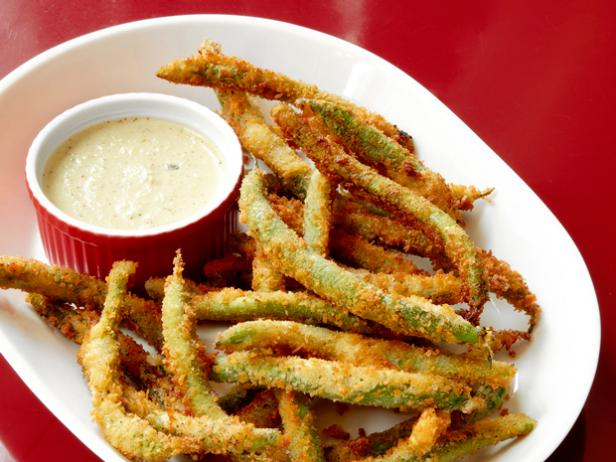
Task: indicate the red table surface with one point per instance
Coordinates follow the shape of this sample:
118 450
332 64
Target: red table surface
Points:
535 80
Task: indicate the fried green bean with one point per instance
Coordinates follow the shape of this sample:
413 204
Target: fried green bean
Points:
337 381
235 305
333 160
264 276
218 436
361 351
212 69
144 435
261 411
66 285
510 285
357 251
466 195
236 397
294 408
374 146
99 356
428 428
450 447
298 423
228 271
374 444
74 324
350 248
439 287
483 433
318 213
356 219
183 351
408 316
500 278
144 369
260 140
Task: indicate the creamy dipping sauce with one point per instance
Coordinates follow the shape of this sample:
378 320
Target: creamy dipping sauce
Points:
133 173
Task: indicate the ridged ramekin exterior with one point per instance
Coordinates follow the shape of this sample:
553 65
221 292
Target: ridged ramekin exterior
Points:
93 253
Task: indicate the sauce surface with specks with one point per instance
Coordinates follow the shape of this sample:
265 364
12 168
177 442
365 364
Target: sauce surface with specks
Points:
133 173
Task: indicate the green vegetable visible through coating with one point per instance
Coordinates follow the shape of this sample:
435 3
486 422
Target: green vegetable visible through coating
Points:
298 423
99 357
407 316
318 213
337 381
362 351
182 348
374 146
333 160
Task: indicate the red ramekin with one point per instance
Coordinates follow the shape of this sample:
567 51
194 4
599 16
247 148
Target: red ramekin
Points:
92 249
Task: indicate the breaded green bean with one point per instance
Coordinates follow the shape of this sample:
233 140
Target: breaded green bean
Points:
297 418
493 397
298 423
99 356
466 195
374 444
228 271
144 369
74 324
510 285
218 436
318 213
486 432
235 305
357 251
66 285
257 137
182 349
407 316
212 69
500 278
290 210
362 351
264 276
333 160
260 140
428 428
365 140
374 146
350 248
337 381
294 408
261 411
356 219
439 287
209 437
453 445
237 397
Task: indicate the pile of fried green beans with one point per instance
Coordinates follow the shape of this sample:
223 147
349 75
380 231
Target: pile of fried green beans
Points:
337 309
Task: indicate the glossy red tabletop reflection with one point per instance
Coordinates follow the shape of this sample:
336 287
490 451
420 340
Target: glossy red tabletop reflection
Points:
535 80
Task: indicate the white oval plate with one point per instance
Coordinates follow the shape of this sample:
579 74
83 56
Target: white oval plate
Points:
555 370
